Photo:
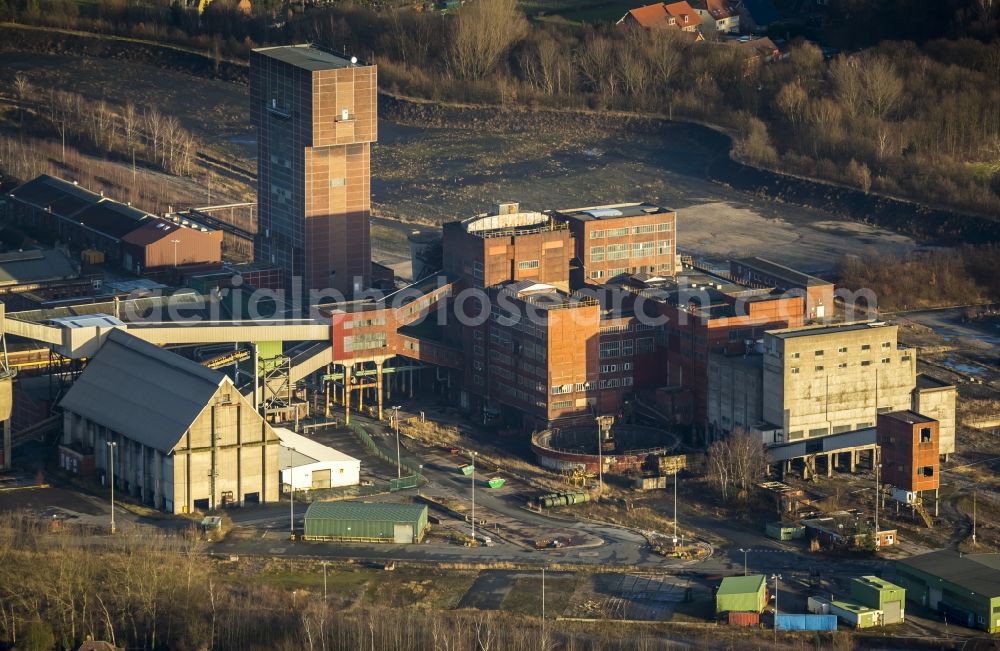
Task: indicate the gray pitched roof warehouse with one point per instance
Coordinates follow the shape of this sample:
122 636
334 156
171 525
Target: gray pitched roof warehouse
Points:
144 392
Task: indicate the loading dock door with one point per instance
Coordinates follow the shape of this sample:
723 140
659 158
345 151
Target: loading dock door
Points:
321 478
893 612
402 533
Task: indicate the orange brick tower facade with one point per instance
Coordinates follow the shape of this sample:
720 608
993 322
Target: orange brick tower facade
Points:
316 117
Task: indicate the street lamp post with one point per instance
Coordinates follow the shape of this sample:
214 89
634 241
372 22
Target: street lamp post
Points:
111 448
473 498
543 605
675 506
744 560
324 581
878 496
291 493
776 578
175 242
395 420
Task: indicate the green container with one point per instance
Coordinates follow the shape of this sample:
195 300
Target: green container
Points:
742 594
496 482
855 614
467 470
363 522
875 592
784 530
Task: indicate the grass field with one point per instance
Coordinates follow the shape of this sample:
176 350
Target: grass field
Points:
601 11
525 597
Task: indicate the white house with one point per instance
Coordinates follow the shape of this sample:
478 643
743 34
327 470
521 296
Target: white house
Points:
307 464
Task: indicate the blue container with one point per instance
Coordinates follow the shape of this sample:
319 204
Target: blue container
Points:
806 622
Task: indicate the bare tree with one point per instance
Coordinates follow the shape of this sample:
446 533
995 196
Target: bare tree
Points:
792 100
845 74
882 87
633 66
736 463
22 88
482 34
664 49
596 61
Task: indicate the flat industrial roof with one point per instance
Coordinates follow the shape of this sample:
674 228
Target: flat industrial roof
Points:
791 333
35 266
877 582
780 271
307 450
925 381
979 573
613 211
908 416
308 57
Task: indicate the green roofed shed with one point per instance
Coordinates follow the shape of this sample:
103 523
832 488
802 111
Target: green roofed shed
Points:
366 522
741 594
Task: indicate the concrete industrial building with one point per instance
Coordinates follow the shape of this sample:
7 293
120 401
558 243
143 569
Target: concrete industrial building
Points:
184 438
936 398
832 379
734 392
316 117
307 464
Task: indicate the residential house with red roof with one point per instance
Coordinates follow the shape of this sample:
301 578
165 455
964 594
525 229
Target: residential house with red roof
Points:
676 15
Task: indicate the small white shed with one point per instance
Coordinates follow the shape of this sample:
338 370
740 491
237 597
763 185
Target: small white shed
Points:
307 464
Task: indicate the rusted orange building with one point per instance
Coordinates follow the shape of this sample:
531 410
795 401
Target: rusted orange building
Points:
909 444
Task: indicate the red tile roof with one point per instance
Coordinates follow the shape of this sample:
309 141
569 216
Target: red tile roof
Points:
685 14
650 16
659 15
719 9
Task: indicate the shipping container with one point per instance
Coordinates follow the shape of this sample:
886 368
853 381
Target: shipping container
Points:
364 522
741 593
784 530
740 618
805 622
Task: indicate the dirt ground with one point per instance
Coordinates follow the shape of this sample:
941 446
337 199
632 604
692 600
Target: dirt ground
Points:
448 173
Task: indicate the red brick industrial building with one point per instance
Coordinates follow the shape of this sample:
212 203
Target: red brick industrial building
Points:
315 115
524 326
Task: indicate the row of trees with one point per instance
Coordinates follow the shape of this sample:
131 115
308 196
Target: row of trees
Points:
162 592
919 122
95 125
23 157
969 274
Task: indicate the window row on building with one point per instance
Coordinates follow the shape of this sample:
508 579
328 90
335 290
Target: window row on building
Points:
634 230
